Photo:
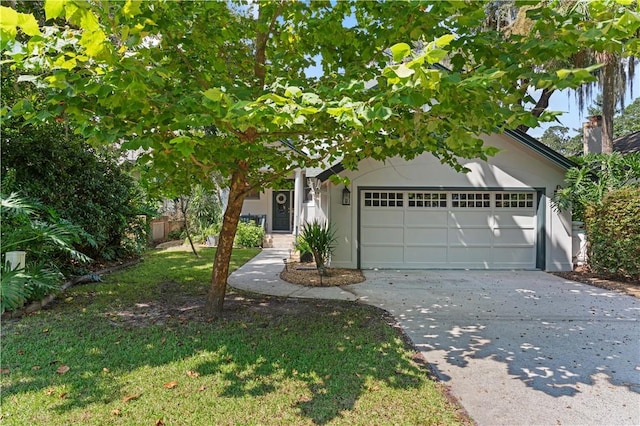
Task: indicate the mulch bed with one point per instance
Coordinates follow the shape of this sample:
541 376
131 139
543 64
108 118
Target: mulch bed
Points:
584 275
306 274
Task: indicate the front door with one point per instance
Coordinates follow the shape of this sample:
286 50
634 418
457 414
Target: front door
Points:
281 211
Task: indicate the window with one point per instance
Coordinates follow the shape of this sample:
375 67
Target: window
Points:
426 199
471 200
383 199
507 200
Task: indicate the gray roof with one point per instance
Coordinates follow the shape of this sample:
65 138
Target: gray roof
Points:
627 143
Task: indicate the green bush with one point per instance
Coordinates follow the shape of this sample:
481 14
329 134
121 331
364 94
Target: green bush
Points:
31 228
593 177
321 239
87 187
248 235
613 233
176 234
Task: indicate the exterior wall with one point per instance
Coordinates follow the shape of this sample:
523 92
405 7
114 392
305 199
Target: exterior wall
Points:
514 167
259 206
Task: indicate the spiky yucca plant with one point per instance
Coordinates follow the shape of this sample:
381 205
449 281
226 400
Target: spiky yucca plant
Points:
320 238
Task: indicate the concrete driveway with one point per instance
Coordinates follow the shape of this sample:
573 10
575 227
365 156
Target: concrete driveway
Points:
520 348
515 348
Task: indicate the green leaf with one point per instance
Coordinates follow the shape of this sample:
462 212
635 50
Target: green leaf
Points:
293 92
214 94
53 8
28 24
436 55
12 20
563 73
131 8
444 40
403 71
400 51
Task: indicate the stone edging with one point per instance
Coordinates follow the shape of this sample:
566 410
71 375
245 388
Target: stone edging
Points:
39 304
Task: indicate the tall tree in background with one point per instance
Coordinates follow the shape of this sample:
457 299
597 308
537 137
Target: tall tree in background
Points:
223 86
616 58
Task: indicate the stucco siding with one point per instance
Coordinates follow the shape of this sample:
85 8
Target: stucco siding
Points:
514 167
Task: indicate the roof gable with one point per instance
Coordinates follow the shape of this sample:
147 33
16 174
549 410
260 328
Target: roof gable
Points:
516 135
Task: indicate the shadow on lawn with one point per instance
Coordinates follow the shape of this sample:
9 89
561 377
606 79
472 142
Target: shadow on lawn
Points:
323 355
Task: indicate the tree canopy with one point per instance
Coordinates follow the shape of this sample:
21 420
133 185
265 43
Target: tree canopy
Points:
223 86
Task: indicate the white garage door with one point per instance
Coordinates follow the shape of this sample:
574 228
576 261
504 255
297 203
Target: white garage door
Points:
447 229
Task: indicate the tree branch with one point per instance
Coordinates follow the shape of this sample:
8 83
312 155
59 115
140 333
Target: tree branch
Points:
262 38
541 106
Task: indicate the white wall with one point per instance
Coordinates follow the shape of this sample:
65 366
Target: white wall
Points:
514 167
261 206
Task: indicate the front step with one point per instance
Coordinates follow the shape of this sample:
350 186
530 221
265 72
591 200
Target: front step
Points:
282 241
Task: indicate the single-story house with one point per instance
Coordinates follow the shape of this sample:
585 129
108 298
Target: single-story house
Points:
421 214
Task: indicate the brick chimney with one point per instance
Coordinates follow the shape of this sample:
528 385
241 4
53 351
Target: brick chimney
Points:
592 135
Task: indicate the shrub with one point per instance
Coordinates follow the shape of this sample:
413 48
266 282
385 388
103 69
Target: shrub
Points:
593 178
31 228
613 230
320 238
303 248
87 187
248 235
176 234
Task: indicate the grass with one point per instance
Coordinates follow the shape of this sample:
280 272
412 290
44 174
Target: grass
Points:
101 356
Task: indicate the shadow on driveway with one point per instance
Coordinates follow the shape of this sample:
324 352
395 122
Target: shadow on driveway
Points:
494 331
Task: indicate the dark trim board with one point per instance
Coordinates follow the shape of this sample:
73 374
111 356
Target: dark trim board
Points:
541 217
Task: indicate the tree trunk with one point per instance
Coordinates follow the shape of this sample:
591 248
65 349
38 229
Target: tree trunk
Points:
218 288
541 106
184 207
608 101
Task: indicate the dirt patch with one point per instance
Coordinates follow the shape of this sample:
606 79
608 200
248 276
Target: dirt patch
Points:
306 274
584 275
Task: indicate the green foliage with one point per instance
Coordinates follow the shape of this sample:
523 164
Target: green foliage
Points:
593 178
46 239
557 138
301 245
248 235
204 210
216 86
176 234
320 238
629 121
83 186
613 230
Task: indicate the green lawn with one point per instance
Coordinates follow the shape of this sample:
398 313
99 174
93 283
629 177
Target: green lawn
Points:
107 353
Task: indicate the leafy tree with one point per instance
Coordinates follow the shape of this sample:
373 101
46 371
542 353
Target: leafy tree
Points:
595 176
628 121
557 138
615 60
222 86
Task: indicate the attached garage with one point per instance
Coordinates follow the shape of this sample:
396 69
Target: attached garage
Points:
452 229
419 213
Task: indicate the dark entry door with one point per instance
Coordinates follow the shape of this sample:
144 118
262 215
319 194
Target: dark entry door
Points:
281 211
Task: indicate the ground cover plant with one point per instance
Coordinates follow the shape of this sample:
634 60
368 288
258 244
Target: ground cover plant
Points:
138 349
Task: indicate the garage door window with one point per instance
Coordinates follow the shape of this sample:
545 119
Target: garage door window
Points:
427 199
514 200
470 200
383 199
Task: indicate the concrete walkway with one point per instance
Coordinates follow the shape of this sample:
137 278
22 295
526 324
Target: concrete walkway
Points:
515 348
